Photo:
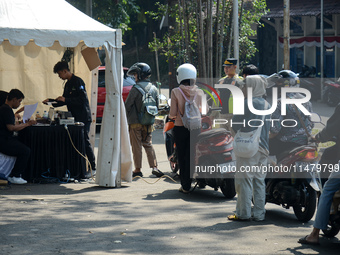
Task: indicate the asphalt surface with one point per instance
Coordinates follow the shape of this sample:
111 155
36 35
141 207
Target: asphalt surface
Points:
143 217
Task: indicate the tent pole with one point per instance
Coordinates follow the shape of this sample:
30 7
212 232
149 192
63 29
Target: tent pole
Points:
93 105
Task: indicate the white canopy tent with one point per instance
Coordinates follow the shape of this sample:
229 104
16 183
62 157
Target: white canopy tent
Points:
54 24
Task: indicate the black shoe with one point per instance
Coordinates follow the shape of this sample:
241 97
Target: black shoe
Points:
134 174
157 172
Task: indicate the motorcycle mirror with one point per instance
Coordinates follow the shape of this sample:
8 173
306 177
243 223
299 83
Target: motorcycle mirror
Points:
272 79
315 117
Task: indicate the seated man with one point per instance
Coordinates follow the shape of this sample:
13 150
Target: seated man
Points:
287 138
9 144
3 97
331 186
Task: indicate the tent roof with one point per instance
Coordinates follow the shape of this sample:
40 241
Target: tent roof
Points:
47 21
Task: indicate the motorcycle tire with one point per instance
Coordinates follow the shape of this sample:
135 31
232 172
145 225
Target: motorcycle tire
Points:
315 95
201 185
174 169
325 93
306 209
330 101
331 230
228 188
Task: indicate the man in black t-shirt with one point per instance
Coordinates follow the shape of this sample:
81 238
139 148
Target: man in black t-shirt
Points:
9 144
77 102
3 97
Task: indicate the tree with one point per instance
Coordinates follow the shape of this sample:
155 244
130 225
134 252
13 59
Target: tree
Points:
203 32
115 14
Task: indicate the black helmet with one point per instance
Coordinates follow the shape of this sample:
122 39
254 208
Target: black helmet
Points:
288 79
142 70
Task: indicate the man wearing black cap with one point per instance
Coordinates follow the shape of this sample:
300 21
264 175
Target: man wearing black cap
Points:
231 78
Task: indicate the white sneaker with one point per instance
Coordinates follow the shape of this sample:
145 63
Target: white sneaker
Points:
89 175
16 180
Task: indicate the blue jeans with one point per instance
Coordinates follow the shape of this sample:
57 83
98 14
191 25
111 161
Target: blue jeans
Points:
332 185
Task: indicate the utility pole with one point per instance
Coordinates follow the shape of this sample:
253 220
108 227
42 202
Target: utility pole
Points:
322 50
172 67
236 33
157 66
286 27
89 8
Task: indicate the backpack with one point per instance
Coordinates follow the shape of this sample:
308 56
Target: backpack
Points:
191 117
149 109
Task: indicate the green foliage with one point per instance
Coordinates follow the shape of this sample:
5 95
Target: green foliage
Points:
115 14
250 17
171 44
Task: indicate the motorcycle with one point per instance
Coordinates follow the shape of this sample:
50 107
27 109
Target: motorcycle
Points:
292 181
307 76
297 187
331 92
214 148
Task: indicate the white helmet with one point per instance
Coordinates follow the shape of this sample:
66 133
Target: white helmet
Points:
186 72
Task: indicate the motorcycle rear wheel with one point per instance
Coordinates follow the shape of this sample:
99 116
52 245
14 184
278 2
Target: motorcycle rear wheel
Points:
175 168
228 188
331 231
306 209
331 102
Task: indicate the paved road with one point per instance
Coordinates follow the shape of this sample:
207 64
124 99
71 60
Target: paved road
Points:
143 218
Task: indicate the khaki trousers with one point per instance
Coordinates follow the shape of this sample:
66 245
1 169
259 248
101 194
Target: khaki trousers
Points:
139 137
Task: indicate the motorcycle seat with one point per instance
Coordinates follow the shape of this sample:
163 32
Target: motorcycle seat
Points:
202 137
283 154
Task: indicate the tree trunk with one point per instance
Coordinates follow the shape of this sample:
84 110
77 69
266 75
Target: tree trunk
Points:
201 38
181 49
230 39
216 38
172 68
241 13
199 44
187 33
221 39
211 41
209 37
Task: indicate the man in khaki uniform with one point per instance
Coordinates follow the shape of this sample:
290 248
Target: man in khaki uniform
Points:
231 78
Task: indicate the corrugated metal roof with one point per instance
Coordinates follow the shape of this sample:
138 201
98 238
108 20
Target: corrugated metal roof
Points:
302 8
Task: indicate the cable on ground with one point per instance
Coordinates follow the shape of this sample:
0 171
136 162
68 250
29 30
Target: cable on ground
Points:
163 176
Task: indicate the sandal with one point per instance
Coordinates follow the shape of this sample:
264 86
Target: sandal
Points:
235 218
304 240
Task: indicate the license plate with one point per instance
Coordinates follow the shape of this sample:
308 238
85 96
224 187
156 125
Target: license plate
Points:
228 167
